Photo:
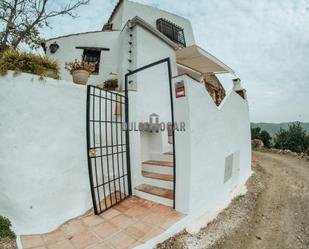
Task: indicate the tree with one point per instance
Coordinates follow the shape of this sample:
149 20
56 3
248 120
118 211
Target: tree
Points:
21 20
294 138
266 138
255 133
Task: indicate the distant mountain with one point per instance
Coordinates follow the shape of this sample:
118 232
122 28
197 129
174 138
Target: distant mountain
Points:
272 128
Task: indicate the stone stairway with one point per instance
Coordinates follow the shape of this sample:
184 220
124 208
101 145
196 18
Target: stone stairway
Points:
158 179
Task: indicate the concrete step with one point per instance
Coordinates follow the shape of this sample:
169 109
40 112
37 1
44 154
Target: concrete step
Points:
169 153
153 198
152 166
159 163
161 157
164 177
156 194
153 190
157 179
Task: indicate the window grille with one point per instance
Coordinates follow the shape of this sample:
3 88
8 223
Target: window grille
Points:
172 31
93 56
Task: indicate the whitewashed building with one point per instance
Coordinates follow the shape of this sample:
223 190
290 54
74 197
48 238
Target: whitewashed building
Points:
197 170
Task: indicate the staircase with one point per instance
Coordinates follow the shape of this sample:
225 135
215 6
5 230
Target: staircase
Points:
158 179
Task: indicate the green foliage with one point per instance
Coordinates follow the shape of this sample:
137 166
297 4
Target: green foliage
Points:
273 128
28 63
21 21
5 228
111 83
266 138
257 133
294 138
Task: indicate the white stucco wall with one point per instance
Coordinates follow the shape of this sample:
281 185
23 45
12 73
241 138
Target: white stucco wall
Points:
44 177
152 96
212 134
68 52
130 9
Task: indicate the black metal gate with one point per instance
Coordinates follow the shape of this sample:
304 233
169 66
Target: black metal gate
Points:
108 148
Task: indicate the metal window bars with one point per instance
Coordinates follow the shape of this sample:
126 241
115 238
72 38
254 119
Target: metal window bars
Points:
172 31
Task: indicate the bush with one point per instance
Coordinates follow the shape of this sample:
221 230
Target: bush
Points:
111 83
294 138
5 228
257 133
28 63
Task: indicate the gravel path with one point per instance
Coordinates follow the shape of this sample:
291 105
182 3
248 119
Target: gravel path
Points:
274 214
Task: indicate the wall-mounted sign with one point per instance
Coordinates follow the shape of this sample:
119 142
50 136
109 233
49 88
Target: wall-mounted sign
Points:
180 89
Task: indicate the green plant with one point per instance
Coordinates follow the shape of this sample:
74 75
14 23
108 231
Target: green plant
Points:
111 83
257 133
22 21
5 228
28 63
80 65
294 138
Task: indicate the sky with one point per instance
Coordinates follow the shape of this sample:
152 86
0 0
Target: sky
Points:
265 41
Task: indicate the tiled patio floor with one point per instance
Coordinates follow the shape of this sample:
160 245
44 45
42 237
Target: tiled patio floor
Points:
130 223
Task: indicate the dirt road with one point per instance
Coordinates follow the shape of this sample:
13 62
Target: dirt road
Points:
274 214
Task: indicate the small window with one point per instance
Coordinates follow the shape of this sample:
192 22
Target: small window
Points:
108 26
93 56
172 31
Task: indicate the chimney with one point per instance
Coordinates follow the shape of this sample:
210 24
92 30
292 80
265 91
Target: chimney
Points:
237 87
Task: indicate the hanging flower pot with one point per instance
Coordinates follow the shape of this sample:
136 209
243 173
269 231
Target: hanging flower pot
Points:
80 70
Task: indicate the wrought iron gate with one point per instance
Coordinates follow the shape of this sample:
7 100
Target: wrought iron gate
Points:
108 148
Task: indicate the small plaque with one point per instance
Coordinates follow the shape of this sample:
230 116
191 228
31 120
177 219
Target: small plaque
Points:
180 90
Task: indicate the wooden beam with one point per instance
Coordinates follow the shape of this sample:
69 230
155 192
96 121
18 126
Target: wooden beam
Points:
94 48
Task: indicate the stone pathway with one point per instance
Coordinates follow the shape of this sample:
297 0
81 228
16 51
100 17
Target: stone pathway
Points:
128 224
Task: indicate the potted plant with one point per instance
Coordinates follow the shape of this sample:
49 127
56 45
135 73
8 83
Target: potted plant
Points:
80 70
110 85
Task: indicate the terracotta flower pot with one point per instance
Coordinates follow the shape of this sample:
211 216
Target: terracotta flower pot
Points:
109 88
80 76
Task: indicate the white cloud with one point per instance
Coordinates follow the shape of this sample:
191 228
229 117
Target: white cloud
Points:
266 42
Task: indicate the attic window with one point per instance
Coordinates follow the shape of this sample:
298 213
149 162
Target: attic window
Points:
172 31
108 26
93 56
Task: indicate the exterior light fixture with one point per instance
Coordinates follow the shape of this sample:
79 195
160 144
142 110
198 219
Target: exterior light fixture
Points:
53 47
11 26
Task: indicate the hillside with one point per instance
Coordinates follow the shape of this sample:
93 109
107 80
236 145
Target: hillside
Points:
272 128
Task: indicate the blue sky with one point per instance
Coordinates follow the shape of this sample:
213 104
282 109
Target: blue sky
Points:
266 42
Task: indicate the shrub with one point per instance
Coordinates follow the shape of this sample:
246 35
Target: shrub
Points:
111 83
28 63
257 133
5 228
294 138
